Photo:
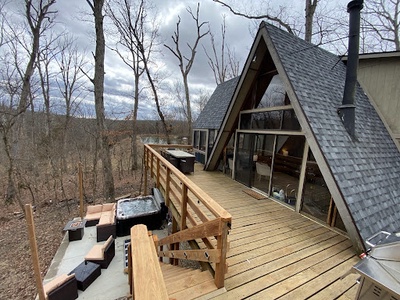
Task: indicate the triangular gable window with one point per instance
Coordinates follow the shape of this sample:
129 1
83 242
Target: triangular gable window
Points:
274 95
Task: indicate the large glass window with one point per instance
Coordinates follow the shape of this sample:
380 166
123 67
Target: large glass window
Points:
317 200
286 168
280 119
316 196
211 138
196 139
272 163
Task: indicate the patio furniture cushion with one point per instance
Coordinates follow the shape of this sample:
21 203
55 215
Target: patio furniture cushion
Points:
107 217
96 253
93 214
108 207
92 209
107 224
62 287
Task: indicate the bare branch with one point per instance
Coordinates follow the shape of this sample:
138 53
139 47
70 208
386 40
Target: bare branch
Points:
189 60
258 17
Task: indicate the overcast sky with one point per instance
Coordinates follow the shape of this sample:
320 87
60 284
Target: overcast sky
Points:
71 15
239 36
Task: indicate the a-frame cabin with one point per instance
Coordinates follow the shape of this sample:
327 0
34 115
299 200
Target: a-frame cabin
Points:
291 144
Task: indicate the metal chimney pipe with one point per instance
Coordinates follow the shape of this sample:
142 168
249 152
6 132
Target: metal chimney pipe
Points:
347 110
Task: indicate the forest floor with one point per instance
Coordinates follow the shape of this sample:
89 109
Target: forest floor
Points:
16 268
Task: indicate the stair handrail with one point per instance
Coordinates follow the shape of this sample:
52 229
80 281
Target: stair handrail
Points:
187 195
145 275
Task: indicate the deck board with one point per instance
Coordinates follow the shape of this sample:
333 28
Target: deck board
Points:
275 252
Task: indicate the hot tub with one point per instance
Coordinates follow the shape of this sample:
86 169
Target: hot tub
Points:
147 210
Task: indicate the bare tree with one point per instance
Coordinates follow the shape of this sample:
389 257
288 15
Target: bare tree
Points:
46 57
71 87
223 63
98 82
382 18
39 18
186 62
200 102
10 90
144 46
70 61
179 112
130 22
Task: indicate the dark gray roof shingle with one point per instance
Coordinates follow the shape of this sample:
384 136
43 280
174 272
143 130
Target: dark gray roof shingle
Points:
213 114
367 170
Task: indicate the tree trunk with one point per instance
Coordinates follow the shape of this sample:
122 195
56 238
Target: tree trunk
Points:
188 108
98 82
310 10
134 127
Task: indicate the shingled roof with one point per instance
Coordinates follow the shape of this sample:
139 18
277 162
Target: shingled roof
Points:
362 174
213 114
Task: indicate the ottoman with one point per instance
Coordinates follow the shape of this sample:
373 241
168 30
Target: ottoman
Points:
85 273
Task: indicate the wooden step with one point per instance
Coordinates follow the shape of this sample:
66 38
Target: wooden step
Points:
185 283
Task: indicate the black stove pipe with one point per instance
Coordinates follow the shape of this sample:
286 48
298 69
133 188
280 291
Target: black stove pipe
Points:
347 110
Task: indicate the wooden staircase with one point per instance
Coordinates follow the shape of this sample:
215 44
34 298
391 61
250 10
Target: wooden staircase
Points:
185 283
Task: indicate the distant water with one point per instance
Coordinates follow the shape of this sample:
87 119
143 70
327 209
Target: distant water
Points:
157 140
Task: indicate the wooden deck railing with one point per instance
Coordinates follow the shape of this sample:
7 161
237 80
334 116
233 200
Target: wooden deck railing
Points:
195 215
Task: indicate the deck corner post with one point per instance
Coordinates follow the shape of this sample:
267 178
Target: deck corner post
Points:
34 250
222 244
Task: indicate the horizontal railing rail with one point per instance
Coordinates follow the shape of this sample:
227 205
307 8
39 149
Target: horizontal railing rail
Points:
195 215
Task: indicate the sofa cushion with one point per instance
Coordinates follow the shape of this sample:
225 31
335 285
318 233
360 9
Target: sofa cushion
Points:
96 253
105 218
107 242
56 282
92 209
108 207
94 216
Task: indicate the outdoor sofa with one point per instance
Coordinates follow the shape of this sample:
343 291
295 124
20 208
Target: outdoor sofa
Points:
103 216
102 254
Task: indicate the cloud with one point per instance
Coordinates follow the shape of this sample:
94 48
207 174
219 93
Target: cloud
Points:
74 17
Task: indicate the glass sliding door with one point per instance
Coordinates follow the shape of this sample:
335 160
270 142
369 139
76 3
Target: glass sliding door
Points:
288 156
244 158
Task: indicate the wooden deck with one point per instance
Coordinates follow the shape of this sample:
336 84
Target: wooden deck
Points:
275 252
183 283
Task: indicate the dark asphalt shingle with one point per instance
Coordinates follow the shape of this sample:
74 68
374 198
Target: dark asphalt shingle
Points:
213 114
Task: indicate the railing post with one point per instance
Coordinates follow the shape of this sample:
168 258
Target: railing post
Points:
174 261
222 244
151 164
168 187
184 206
80 181
145 156
158 173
